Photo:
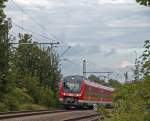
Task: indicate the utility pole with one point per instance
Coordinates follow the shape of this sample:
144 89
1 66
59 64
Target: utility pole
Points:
7 25
108 75
84 68
50 50
95 72
126 76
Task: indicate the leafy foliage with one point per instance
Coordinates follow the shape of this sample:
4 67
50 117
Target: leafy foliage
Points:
137 70
97 80
6 84
28 74
146 59
35 72
144 2
114 83
4 49
132 100
110 83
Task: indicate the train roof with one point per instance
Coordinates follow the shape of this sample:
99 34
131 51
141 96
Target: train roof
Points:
91 82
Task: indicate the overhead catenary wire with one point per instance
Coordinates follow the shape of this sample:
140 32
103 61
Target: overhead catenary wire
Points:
25 29
94 64
71 62
41 26
22 28
65 51
35 21
33 36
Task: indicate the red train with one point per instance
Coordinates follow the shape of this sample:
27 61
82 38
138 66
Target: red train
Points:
78 91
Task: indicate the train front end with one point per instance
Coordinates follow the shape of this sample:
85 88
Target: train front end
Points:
71 90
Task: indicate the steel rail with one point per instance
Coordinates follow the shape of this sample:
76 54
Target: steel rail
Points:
83 117
17 114
24 111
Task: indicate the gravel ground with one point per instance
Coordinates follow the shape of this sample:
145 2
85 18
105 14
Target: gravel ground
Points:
53 117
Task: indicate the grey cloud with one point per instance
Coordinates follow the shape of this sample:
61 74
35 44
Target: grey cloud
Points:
110 52
97 32
79 50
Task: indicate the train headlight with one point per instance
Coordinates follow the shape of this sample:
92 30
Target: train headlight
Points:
77 95
64 93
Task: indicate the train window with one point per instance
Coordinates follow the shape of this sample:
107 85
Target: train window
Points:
72 84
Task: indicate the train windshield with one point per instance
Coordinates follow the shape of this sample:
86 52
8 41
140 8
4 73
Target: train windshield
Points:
72 84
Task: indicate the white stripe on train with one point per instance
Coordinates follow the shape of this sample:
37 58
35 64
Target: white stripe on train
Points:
87 101
94 102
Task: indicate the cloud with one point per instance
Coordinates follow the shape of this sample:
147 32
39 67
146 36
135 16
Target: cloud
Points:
110 52
111 33
130 23
43 4
83 50
125 64
24 1
116 2
98 32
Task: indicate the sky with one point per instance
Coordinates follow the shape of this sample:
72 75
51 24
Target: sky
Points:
109 34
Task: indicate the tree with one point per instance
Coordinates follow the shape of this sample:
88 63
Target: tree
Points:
7 100
114 83
132 100
4 49
37 70
146 59
110 83
97 80
137 70
144 2
28 74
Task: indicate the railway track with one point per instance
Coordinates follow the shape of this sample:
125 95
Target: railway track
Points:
17 114
91 117
50 115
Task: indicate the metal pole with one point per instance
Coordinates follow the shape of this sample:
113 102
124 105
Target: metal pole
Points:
84 68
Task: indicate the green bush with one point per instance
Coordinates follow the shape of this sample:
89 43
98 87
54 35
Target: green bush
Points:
30 106
3 107
132 102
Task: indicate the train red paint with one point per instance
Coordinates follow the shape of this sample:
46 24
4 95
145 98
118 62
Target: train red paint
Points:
78 91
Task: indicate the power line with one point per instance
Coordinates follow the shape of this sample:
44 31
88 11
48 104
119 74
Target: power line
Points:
61 55
35 21
94 64
40 25
22 28
71 62
12 34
